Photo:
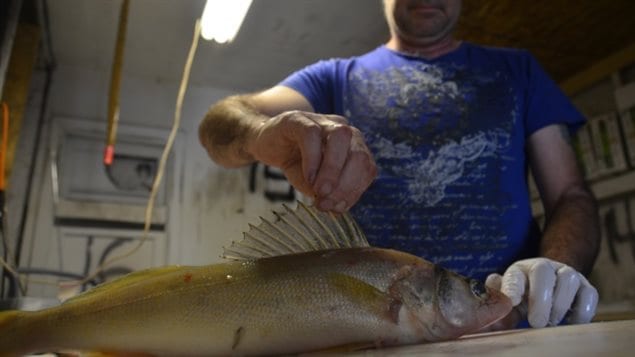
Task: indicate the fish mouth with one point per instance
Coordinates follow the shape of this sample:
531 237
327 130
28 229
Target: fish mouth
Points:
500 300
467 304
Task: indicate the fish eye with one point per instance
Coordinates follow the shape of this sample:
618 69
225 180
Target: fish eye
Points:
478 289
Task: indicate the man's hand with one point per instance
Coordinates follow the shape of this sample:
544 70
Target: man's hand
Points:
551 290
321 155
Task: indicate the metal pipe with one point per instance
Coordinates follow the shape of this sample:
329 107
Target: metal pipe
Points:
40 135
115 85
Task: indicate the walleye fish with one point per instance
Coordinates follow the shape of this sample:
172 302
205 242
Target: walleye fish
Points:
306 281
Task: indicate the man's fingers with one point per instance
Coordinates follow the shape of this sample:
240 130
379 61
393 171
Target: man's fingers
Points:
295 176
358 173
323 141
336 165
335 153
555 290
356 176
307 135
567 284
513 284
542 279
586 302
346 171
328 118
325 119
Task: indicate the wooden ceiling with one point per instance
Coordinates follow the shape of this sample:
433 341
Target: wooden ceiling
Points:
566 36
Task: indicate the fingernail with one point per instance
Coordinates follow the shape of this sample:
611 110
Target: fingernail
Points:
326 189
340 206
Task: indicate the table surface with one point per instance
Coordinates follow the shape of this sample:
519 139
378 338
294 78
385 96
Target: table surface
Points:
614 338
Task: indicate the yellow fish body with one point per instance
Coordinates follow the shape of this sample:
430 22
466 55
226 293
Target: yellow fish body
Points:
301 294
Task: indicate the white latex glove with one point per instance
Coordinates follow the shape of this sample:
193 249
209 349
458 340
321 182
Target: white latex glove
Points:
553 290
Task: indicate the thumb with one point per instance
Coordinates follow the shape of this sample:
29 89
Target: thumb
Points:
494 281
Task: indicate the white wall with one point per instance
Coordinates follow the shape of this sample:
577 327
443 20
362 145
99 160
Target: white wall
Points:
211 206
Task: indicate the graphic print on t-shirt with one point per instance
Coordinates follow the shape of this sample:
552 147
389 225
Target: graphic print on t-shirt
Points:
441 135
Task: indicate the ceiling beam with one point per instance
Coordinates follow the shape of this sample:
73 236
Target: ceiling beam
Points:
600 70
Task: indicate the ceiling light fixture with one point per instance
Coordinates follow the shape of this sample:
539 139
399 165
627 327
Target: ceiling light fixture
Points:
222 19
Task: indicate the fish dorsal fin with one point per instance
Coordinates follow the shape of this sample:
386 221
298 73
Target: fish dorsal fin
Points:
298 230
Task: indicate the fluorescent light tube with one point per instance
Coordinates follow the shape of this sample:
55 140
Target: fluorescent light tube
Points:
222 19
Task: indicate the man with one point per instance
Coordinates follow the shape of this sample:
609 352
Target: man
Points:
427 140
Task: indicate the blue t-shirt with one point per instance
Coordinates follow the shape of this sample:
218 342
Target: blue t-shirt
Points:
448 136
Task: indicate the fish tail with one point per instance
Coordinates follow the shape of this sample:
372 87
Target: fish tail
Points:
10 343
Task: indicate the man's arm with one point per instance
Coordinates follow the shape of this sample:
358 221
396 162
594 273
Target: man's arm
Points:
321 155
572 231
232 123
548 288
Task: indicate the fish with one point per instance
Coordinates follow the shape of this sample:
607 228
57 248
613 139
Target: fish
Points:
304 281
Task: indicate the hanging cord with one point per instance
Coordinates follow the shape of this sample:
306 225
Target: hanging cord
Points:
115 85
157 180
164 157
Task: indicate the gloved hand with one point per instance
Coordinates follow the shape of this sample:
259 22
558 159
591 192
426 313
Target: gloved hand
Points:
554 289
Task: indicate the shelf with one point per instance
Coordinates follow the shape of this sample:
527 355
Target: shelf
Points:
603 189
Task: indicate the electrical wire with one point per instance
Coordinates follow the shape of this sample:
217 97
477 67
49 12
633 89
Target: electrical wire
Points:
157 181
118 242
115 84
164 157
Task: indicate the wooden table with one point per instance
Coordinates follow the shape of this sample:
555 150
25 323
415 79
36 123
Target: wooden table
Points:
614 338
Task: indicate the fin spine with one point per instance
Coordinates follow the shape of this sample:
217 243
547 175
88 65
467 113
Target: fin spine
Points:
286 235
300 242
255 238
326 228
322 243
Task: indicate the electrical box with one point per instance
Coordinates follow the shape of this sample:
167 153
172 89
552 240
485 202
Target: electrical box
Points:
87 193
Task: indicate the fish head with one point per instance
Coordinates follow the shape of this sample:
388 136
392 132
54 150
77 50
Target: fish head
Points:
467 305
446 305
